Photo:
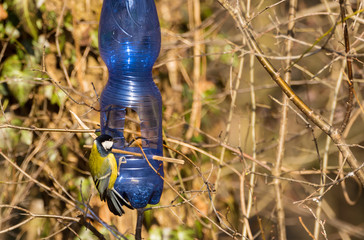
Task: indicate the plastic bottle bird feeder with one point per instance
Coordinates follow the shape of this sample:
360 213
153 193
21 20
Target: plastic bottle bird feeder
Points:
129 43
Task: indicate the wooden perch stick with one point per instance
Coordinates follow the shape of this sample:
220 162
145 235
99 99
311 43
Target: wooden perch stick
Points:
155 157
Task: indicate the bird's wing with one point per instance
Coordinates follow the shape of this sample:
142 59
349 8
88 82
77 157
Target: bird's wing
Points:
121 199
102 178
115 202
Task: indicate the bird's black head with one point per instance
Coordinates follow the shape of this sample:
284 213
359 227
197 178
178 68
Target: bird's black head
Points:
104 143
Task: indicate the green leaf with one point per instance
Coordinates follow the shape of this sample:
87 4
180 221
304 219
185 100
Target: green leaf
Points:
27 9
183 233
148 217
16 122
94 38
9 137
84 233
21 91
55 96
197 139
155 234
18 88
10 31
26 137
12 67
87 184
5 102
52 151
3 91
199 229
67 21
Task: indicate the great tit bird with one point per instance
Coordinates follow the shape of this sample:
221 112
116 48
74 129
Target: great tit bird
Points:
104 171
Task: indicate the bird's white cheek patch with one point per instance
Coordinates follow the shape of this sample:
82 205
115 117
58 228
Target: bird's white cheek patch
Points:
107 145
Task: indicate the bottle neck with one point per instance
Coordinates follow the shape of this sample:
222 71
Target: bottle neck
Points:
123 76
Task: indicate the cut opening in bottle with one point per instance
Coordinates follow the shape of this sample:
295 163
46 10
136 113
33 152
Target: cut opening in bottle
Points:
127 129
132 134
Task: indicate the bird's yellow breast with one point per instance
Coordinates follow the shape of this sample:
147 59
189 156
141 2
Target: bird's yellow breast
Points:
100 166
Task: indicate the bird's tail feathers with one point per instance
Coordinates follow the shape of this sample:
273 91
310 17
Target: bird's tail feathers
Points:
116 202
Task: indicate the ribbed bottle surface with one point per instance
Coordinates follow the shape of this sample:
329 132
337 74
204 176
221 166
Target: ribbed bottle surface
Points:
129 44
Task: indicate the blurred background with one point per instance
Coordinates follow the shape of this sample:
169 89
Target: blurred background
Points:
220 109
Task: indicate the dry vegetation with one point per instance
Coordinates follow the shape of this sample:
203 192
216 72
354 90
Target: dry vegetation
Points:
256 166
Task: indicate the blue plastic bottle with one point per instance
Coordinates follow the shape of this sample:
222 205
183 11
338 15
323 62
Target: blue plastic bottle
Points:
129 43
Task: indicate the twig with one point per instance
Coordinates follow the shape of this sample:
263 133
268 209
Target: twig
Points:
67 93
233 93
335 182
84 222
246 226
281 226
59 23
216 158
261 227
350 100
57 232
317 119
45 187
155 157
198 68
93 135
5 45
326 153
139 224
2 109
265 9
232 233
60 196
253 123
306 229
327 33
323 232
208 185
36 129
354 117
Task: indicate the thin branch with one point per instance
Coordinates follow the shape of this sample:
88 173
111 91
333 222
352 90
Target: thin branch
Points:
306 229
155 157
234 150
281 226
59 23
63 198
198 68
253 123
355 115
314 117
324 163
82 124
36 129
350 100
230 232
335 182
139 224
233 95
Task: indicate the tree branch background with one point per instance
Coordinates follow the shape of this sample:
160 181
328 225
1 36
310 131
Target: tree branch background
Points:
255 165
